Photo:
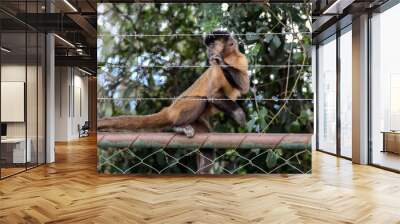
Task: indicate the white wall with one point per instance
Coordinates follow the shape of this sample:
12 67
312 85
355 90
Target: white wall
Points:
33 127
61 103
71 102
16 73
12 73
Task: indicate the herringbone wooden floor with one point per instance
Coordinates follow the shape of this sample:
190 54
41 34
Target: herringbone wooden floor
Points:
70 191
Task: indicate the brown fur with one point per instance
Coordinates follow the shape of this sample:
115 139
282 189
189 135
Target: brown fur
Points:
187 108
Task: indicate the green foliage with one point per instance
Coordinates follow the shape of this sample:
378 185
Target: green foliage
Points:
139 63
115 160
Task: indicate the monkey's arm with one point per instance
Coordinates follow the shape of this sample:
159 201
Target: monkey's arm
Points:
234 76
230 107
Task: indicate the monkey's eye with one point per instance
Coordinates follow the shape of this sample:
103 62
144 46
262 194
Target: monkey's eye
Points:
231 44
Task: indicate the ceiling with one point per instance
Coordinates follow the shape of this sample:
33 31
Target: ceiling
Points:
74 22
330 15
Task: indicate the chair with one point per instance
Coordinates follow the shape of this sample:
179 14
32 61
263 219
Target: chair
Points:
84 130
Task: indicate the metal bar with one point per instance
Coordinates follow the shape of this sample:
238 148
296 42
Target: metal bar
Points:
338 74
46 34
201 99
45 95
385 168
0 93
26 90
17 19
205 140
206 1
369 89
60 88
316 106
60 58
73 91
199 34
37 91
330 29
386 6
337 7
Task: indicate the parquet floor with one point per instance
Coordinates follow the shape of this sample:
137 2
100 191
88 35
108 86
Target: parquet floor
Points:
70 191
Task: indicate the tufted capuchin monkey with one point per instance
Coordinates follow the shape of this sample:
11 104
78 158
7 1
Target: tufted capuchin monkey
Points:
215 90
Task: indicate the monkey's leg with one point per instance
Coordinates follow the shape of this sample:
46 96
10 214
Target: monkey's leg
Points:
188 130
205 156
186 111
201 125
205 123
229 107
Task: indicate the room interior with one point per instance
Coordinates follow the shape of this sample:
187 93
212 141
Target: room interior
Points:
385 89
48 92
26 63
334 55
22 102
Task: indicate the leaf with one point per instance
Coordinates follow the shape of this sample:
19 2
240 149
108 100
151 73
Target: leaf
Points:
254 50
276 41
278 152
262 116
271 159
294 127
269 37
250 124
263 113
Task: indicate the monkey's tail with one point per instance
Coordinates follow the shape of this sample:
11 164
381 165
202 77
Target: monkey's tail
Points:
157 120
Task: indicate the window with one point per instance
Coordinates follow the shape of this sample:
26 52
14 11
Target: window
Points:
327 96
22 78
385 89
346 93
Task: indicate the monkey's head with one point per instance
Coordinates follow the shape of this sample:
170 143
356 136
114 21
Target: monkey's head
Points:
220 43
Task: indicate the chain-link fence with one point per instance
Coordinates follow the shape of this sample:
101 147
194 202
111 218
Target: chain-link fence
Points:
213 153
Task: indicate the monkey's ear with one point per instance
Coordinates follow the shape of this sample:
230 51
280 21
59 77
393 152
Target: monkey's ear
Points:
208 39
217 34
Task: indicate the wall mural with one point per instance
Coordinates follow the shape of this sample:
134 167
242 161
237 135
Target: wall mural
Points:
204 88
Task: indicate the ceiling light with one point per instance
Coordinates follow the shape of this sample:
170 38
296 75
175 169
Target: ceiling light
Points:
70 5
84 71
5 50
331 7
338 6
64 40
79 51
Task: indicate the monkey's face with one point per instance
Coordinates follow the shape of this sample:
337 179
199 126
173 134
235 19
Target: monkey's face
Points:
221 48
220 44
216 48
230 46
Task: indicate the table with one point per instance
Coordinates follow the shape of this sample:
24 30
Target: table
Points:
391 141
13 150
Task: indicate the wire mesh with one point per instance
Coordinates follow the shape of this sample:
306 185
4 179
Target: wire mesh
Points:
155 153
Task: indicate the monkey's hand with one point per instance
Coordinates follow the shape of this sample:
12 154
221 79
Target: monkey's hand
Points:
239 116
217 60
